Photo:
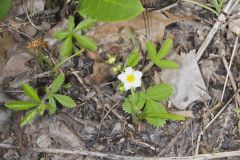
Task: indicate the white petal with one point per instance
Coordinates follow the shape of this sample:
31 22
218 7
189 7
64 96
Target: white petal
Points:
122 77
137 83
128 70
138 74
127 86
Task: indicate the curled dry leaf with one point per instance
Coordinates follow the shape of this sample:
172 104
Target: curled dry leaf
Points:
101 73
94 56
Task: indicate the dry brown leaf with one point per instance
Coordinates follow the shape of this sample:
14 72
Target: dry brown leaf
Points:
109 33
16 65
94 56
101 73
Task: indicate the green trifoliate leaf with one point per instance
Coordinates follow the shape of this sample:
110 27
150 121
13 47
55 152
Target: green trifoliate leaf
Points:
31 93
60 35
29 117
165 49
5 6
133 59
52 106
85 42
110 10
85 24
134 103
65 100
71 24
166 64
57 84
160 92
156 108
66 47
152 52
20 105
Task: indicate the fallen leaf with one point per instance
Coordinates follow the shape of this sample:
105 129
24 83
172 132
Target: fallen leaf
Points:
16 65
49 36
187 80
108 33
234 26
101 73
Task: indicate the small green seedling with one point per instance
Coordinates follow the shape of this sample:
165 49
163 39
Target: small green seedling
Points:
158 58
39 106
72 34
146 105
215 6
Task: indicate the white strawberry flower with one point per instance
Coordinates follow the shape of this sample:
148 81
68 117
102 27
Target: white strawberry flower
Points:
130 78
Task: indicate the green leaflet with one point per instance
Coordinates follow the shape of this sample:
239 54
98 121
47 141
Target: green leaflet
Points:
133 59
57 84
167 64
157 58
165 49
52 106
20 105
157 108
65 100
85 24
28 118
85 42
110 10
71 24
152 51
160 92
61 35
133 104
66 47
31 93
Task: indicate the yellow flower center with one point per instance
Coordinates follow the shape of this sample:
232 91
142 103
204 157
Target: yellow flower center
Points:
130 78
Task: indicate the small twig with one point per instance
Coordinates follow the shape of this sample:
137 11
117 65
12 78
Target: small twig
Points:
229 68
198 142
228 9
114 156
8 146
29 19
220 112
174 140
111 109
16 30
167 7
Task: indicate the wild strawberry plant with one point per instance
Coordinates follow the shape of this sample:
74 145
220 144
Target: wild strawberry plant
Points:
148 104
36 106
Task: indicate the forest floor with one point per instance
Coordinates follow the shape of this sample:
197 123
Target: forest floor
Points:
98 128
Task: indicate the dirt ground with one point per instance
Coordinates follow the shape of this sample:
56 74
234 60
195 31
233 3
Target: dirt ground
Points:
98 123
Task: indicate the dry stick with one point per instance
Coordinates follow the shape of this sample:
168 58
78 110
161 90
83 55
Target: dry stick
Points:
7 146
29 19
223 108
113 156
13 28
229 70
228 9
